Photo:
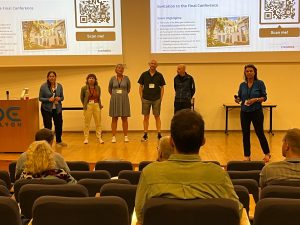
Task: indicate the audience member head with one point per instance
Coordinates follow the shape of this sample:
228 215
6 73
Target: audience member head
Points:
181 69
291 144
187 131
164 149
250 67
45 135
39 157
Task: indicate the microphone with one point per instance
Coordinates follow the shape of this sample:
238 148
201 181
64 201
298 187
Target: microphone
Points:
7 95
235 96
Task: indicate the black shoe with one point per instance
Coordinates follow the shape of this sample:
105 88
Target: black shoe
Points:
145 137
159 136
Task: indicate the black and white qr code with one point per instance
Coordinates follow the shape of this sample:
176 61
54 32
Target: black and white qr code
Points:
94 13
279 11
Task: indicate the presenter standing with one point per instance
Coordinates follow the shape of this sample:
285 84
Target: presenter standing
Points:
151 92
119 88
251 94
90 99
51 95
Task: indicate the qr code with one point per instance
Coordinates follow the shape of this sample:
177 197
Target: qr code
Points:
279 11
94 13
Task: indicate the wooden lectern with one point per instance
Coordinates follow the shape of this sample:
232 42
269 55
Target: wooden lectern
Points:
19 121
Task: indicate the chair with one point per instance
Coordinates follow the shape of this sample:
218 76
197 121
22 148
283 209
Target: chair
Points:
251 174
162 211
132 176
19 183
250 184
30 192
9 212
245 165
12 171
125 191
3 183
94 185
276 191
80 211
277 211
4 191
294 183
243 194
78 165
143 164
5 177
113 167
98 174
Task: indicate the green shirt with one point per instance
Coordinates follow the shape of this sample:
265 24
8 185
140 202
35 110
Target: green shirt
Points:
183 177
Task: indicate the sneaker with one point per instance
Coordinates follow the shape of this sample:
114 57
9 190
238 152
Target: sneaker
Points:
247 158
145 137
113 139
126 139
62 144
159 136
101 141
86 141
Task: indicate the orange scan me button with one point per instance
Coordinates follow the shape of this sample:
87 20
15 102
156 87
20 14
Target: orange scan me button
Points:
95 36
278 32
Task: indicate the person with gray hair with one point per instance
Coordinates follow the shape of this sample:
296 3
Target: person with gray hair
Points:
164 149
289 168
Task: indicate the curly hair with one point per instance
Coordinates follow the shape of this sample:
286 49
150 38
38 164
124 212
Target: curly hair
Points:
91 75
39 158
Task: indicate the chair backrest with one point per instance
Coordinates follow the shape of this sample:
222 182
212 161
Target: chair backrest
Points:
9 212
80 211
5 177
243 194
125 191
4 191
143 164
245 165
21 182
251 174
277 211
30 192
94 185
276 191
250 184
97 174
162 211
78 165
12 171
113 167
132 176
293 183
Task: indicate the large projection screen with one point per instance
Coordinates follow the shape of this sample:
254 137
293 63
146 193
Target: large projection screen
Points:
211 31
60 32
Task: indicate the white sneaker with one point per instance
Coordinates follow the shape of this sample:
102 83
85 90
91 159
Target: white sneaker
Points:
113 139
86 141
126 139
101 141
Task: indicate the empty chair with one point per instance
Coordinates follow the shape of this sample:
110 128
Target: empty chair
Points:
78 165
19 183
125 191
49 210
243 194
251 174
12 171
132 176
250 184
94 185
245 165
113 167
162 211
276 191
277 211
97 174
30 192
5 177
4 191
9 212
142 164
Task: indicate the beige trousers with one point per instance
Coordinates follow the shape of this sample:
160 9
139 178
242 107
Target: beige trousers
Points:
94 110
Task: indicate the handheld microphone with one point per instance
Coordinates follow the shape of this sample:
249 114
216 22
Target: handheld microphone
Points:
7 95
235 96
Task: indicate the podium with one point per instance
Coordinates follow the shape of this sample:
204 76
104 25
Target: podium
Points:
19 121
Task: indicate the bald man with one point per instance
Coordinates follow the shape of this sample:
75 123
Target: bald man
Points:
184 86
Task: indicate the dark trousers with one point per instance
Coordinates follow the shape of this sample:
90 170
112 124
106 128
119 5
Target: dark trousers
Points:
182 105
57 119
257 119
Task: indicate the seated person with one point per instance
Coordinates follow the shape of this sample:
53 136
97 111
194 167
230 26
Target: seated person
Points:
47 135
183 175
164 149
288 169
40 164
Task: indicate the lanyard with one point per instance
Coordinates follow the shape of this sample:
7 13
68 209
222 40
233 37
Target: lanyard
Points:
91 93
119 82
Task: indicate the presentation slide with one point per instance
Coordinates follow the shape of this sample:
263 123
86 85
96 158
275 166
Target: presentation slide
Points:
60 27
208 26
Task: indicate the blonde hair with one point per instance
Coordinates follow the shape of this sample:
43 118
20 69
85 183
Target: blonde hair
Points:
39 158
164 148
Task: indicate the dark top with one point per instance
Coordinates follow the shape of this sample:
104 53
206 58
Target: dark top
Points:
151 85
184 88
257 90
